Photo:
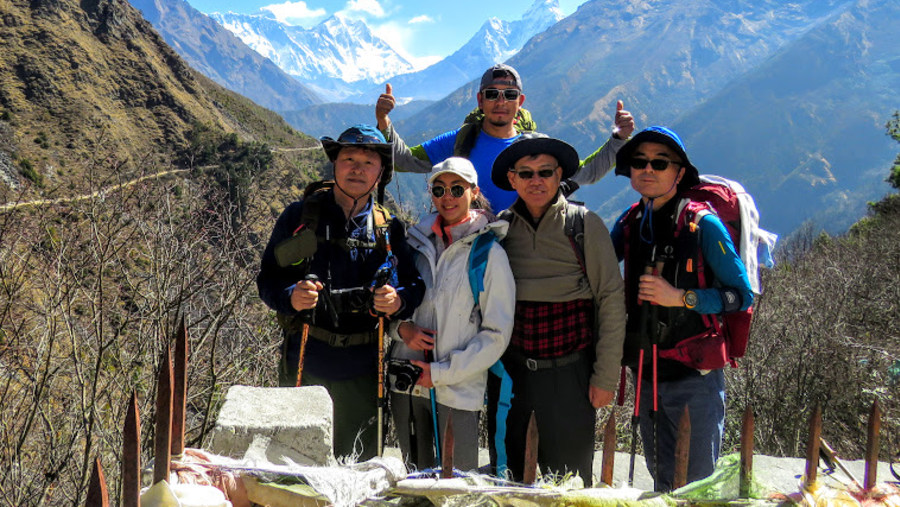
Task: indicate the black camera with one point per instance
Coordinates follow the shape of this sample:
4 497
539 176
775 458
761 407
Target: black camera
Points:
354 300
402 374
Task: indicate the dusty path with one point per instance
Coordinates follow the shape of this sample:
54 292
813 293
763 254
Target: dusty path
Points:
93 195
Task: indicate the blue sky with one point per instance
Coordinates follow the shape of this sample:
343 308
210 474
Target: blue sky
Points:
423 30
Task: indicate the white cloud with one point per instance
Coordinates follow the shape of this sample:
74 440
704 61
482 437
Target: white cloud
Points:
356 8
424 18
294 13
400 36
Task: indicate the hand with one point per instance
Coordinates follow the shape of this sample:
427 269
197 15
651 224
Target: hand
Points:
384 106
624 122
416 337
425 377
386 300
305 295
600 397
657 290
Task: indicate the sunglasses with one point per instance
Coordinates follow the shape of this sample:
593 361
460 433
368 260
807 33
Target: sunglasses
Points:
657 164
456 191
527 175
509 94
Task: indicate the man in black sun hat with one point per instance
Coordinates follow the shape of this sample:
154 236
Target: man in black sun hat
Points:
569 321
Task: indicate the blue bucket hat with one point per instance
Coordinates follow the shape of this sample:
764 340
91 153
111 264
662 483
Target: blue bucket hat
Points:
661 135
362 136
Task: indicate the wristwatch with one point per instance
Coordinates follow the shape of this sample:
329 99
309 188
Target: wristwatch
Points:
689 299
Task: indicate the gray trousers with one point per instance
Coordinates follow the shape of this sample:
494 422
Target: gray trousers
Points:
465 432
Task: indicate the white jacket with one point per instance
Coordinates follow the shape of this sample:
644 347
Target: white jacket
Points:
467 341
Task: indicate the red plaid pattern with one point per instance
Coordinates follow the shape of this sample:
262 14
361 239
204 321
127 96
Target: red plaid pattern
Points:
544 330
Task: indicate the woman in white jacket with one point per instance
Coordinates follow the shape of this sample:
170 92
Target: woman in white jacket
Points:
452 340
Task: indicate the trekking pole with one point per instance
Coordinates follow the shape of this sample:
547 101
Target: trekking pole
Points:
635 417
429 357
656 270
382 277
380 384
305 335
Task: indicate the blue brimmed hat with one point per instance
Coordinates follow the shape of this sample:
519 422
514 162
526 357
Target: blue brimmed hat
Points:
362 136
661 135
534 143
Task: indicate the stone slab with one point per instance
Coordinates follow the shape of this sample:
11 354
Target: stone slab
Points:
278 425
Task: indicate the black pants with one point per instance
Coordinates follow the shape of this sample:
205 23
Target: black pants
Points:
565 419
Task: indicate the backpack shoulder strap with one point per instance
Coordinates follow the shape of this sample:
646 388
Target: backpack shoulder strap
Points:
312 204
382 218
574 228
478 257
465 138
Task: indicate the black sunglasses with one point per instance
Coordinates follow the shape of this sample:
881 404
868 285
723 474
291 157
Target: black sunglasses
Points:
510 94
657 164
439 191
527 175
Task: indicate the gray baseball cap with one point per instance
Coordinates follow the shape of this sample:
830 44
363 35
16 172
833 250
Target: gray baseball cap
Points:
501 74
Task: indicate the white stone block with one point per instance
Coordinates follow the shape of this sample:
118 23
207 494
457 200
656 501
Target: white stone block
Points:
278 425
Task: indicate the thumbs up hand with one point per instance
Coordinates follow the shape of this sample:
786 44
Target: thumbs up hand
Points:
624 122
384 106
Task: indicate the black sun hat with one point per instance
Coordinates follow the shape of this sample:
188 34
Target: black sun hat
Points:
534 143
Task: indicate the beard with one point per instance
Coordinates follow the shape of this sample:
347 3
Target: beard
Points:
497 123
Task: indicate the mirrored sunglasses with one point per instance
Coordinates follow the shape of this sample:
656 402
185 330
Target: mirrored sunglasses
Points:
439 190
509 94
527 175
657 164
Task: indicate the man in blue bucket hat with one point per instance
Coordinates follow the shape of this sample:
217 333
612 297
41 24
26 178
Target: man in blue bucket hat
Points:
681 274
318 273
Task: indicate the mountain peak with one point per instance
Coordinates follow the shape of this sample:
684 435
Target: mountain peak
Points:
541 9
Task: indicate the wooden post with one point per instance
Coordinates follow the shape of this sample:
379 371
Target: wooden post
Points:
532 439
163 443
812 446
609 450
682 449
872 446
747 427
97 495
447 449
131 456
179 392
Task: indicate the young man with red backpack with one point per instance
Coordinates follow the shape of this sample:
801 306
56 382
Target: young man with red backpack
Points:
682 274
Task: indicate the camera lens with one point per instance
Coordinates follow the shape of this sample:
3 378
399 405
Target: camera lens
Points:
402 383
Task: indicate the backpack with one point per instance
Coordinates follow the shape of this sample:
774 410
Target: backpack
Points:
726 341
309 216
468 132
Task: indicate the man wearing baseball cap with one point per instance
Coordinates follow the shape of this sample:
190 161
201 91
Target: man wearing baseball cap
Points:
496 123
566 345
342 236
695 276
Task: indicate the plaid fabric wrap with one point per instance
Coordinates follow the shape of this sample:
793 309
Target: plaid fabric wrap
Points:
544 330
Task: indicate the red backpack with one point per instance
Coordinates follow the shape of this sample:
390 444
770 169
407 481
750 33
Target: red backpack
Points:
726 336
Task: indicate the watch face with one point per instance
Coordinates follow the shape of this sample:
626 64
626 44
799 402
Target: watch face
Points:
690 299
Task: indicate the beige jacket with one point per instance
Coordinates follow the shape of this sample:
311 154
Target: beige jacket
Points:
546 268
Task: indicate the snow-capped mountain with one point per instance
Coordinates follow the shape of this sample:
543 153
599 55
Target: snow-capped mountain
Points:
335 58
342 60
